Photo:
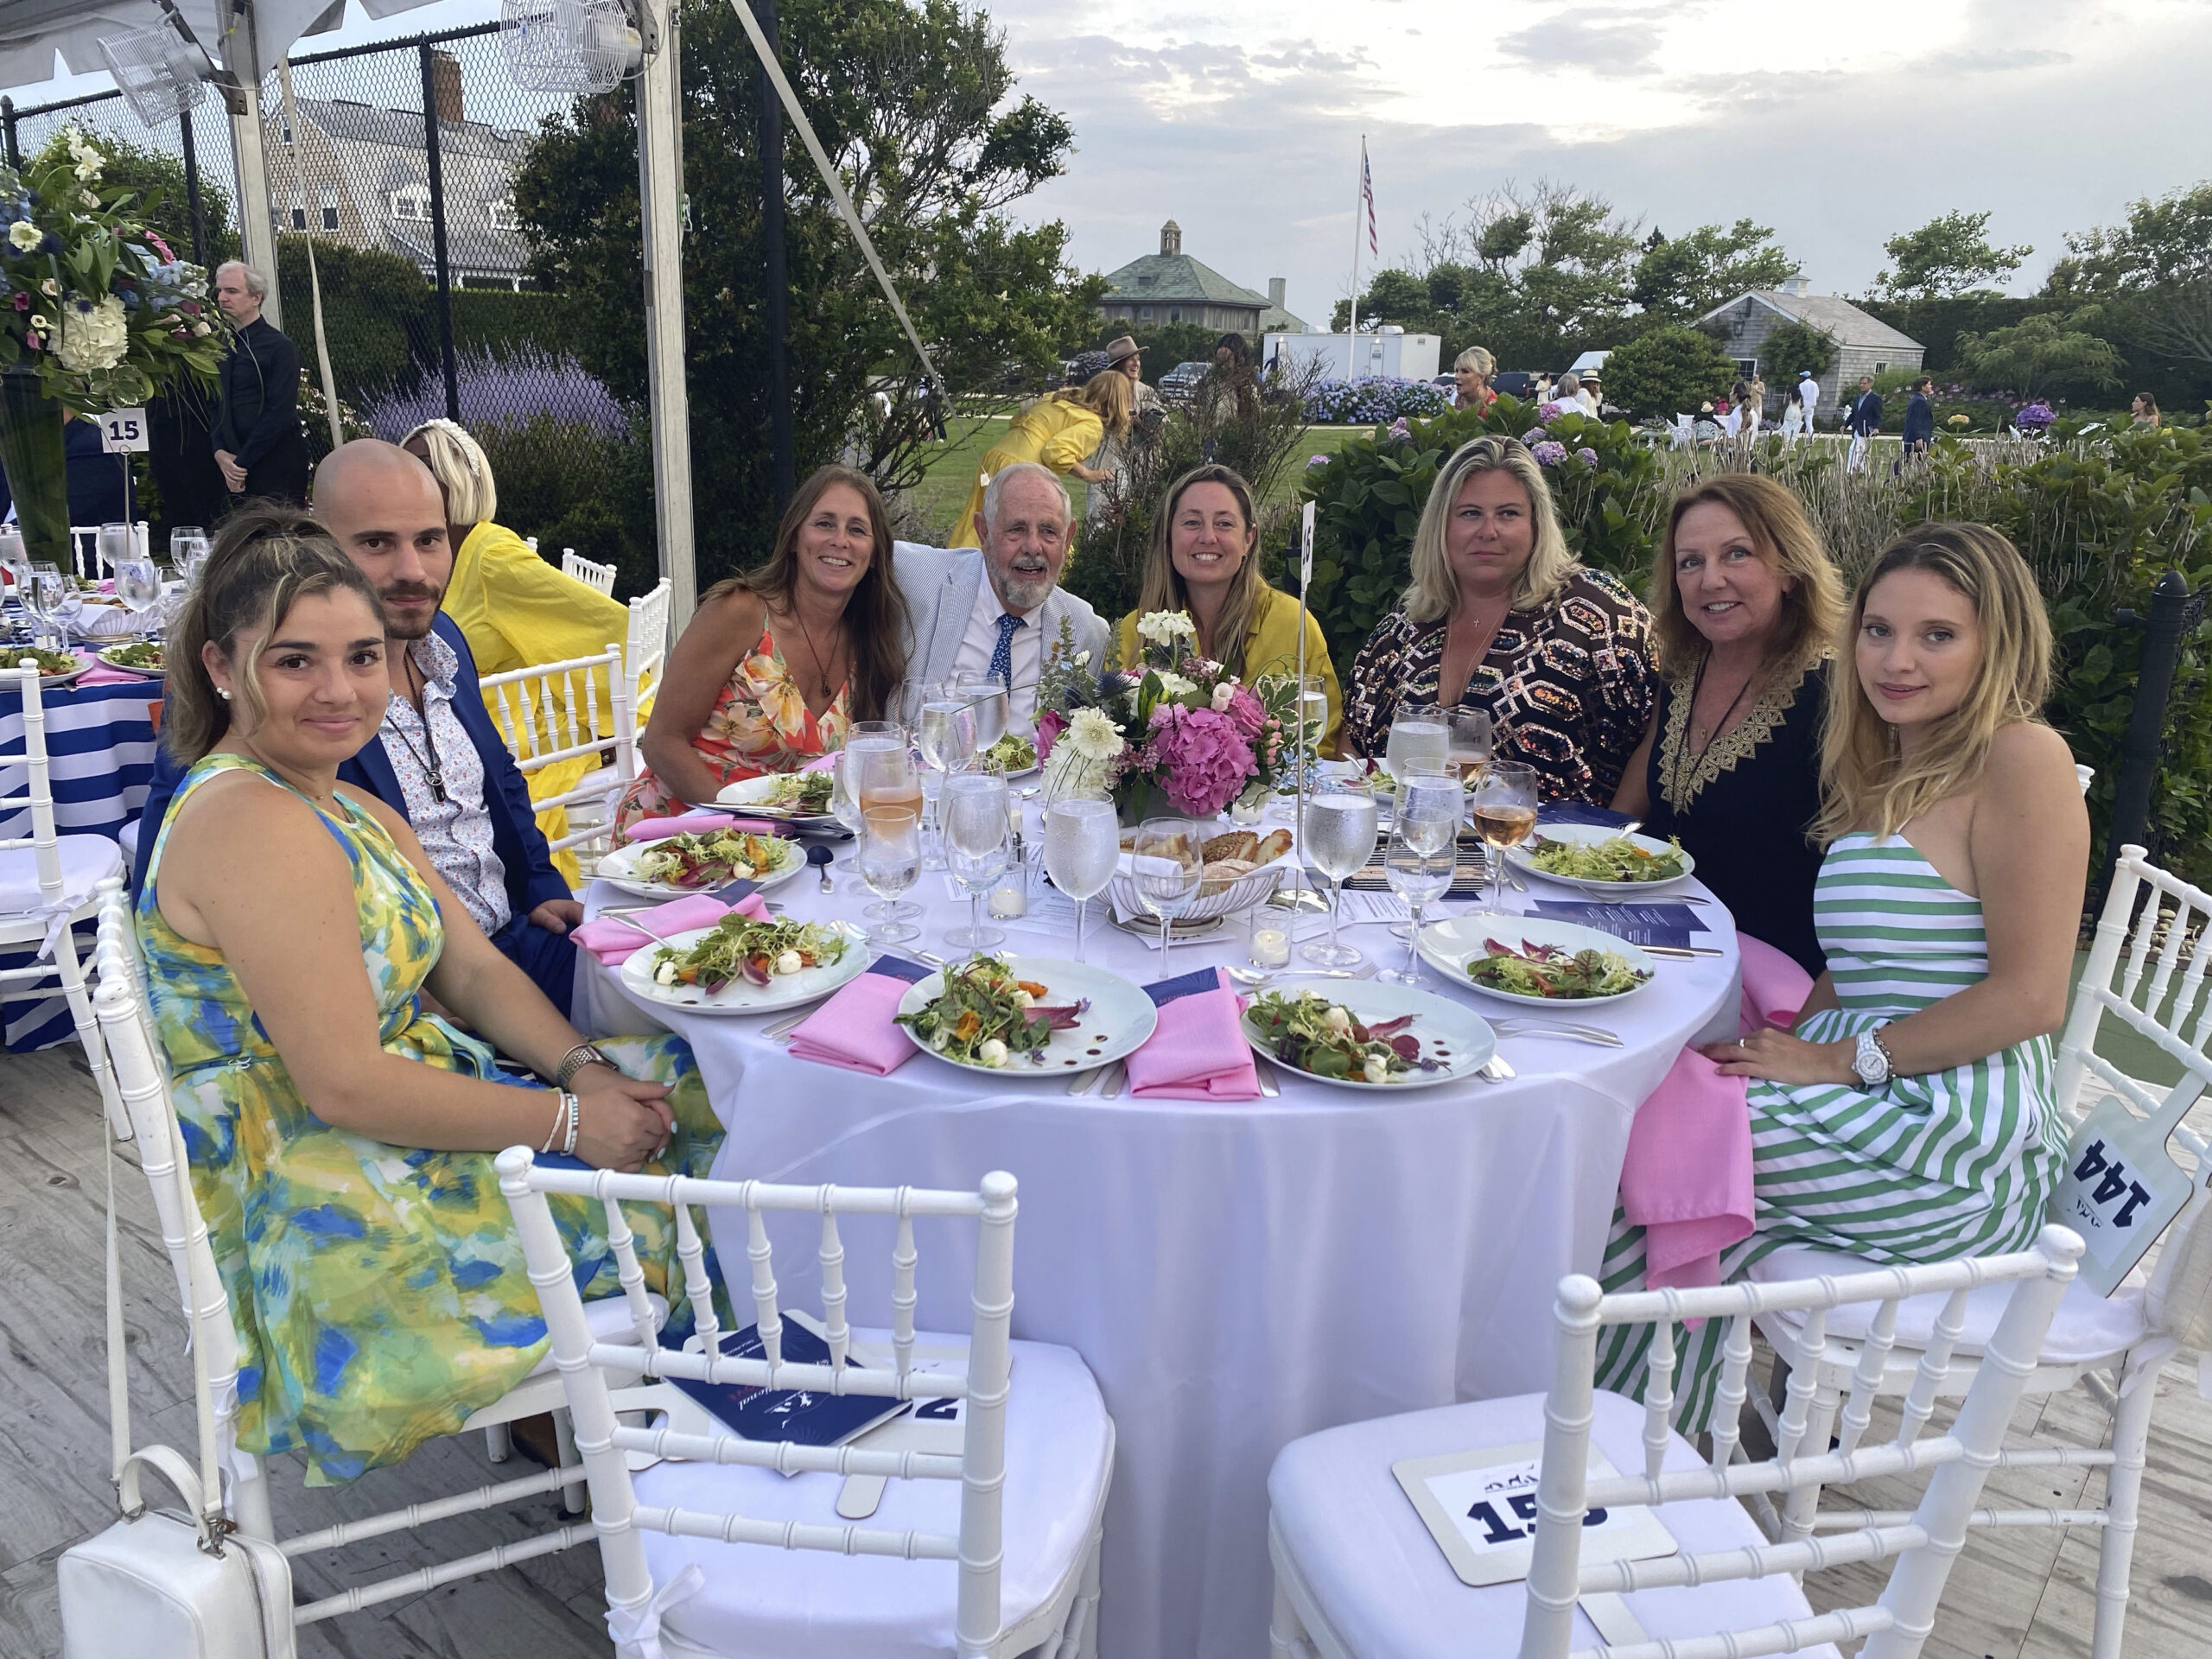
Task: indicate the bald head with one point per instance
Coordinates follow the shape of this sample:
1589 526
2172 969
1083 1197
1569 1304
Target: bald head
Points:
386 511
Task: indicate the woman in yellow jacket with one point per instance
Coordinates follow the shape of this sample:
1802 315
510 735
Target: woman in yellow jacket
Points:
1059 430
1204 561
516 610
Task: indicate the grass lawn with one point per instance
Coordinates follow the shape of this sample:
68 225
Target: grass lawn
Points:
952 466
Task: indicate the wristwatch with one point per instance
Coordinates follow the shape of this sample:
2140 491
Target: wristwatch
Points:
1871 1063
575 1059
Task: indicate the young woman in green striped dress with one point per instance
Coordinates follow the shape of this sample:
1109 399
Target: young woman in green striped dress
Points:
1908 1115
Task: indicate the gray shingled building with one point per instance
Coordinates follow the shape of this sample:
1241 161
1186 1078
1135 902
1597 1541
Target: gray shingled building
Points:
1865 345
1170 286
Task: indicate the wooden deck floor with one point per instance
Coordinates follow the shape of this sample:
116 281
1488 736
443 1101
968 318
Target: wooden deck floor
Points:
2018 1594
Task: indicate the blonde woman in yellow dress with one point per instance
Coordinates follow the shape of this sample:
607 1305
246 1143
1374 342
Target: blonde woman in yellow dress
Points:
1058 430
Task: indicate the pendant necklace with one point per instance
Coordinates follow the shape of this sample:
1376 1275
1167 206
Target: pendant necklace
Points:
820 668
433 767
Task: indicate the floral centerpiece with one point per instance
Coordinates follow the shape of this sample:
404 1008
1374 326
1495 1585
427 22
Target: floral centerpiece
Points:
1175 731
96 314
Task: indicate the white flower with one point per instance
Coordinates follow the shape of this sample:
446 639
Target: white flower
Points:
40 323
50 287
89 200
23 234
198 327
1377 1069
1336 1020
89 162
788 963
1092 734
94 339
993 1052
1165 627
1174 685
1222 694
1082 659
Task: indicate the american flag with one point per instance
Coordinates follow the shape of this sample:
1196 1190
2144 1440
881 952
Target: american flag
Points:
1367 195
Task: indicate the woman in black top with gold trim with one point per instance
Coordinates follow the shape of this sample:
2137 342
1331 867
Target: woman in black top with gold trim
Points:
1746 603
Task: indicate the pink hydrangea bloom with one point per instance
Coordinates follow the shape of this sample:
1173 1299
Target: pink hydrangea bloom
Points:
1247 712
1206 759
1050 725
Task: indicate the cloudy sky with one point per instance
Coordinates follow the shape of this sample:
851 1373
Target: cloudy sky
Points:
1837 124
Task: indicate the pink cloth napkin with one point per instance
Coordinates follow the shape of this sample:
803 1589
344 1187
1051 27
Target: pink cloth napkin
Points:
614 941
821 762
855 1029
1775 986
99 673
1197 1051
1687 1179
697 823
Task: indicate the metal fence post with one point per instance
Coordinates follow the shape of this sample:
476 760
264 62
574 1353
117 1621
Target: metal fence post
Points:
8 132
191 188
775 282
436 168
2169 622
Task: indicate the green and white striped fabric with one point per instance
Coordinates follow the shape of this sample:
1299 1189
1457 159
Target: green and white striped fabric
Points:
1944 1164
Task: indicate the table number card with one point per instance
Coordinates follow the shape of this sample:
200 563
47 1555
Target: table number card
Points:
1481 1508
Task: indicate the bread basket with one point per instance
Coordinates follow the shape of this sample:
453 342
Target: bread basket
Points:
1215 898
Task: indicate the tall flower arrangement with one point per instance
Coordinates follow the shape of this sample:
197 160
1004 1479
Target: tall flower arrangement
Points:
96 313
1175 728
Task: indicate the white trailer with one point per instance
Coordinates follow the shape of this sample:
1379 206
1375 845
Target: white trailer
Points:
1388 351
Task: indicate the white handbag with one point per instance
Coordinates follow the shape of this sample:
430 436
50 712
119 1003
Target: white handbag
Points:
184 1585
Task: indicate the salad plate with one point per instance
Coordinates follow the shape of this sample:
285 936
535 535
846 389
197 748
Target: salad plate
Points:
143 657
55 668
1400 1036
654 973
1604 862
1091 1016
800 798
645 867
1534 951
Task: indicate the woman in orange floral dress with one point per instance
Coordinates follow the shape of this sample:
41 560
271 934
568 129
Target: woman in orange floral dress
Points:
777 664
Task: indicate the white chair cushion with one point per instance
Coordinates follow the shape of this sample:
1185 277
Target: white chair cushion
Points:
2087 1328
764 1603
127 838
1388 1593
86 860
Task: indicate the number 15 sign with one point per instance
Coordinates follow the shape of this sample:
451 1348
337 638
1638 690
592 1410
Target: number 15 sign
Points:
1481 1508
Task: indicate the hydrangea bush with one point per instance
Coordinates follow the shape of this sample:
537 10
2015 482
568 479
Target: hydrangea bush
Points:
1372 399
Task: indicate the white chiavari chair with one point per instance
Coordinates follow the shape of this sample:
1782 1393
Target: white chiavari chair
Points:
2129 1312
84 548
132 1041
986 1543
649 617
599 577
558 713
1357 1573
49 882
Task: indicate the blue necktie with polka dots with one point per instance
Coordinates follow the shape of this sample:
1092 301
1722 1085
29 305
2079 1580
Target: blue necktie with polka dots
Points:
1002 653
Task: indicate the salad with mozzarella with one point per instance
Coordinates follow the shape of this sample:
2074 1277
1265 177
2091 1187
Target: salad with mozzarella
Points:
1548 970
709 859
1010 754
739 947
1617 858
985 1015
1310 1033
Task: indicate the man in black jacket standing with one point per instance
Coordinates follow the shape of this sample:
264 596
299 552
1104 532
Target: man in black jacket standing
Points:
1920 418
1862 422
258 447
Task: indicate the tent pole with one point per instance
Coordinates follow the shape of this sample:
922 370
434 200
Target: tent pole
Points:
256 228
775 272
660 190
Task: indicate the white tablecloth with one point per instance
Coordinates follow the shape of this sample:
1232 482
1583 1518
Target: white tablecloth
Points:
1236 1275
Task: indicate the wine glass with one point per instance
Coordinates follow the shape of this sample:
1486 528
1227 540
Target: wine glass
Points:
1469 748
1166 867
878 773
1505 814
1312 718
976 850
137 582
114 543
1420 739
1340 840
187 550
891 862
1082 842
1418 862
986 696
47 604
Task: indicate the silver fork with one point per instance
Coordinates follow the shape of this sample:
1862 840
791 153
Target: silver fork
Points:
1497 1070
786 1027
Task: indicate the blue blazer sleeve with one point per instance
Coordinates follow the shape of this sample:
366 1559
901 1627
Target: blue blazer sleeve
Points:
161 788
531 879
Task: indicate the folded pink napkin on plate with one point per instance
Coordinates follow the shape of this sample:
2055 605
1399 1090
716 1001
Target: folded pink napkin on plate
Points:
855 1029
821 762
697 823
1687 1180
1775 986
98 673
614 941
1197 1051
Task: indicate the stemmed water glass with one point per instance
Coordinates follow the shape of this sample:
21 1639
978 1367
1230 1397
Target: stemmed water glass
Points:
137 582
1420 739
1082 843
1505 814
1469 747
976 850
986 696
1423 850
1340 840
46 603
944 731
187 550
1166 867
876 771
891 862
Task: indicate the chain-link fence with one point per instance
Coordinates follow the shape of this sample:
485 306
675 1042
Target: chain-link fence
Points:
430 304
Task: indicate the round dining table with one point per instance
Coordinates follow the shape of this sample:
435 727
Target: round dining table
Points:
1236 1275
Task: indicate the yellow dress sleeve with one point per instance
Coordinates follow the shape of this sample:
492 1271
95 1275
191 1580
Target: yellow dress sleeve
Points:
1070 447
536 613
1273 649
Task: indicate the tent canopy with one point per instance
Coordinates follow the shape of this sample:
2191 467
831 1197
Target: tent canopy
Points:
32 31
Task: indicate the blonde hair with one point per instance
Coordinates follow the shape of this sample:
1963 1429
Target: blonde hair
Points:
1434 590
462 469
1477 359
1866 782
1785 539
1107 394
1163 589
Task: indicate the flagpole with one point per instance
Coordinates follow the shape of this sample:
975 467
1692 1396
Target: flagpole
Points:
1358 210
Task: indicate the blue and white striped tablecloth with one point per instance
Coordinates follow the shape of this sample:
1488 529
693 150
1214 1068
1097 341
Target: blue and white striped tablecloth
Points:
99 744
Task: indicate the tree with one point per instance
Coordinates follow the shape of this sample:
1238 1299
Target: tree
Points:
2164 241
1669 370
915 104
158 178
1530 273
2042 354
1795 345
1686 278
1948 255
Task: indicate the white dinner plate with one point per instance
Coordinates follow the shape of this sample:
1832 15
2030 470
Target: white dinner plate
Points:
1520 858
753 793
1448 945
1457 1037
621 868
742 996
127 668
1120 1019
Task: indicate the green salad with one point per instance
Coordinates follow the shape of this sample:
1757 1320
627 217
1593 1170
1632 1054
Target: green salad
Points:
738 947
802 792
50 662
1547 970
1617 858
1010 753
142 654
1310 1033
985 1015
710 859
